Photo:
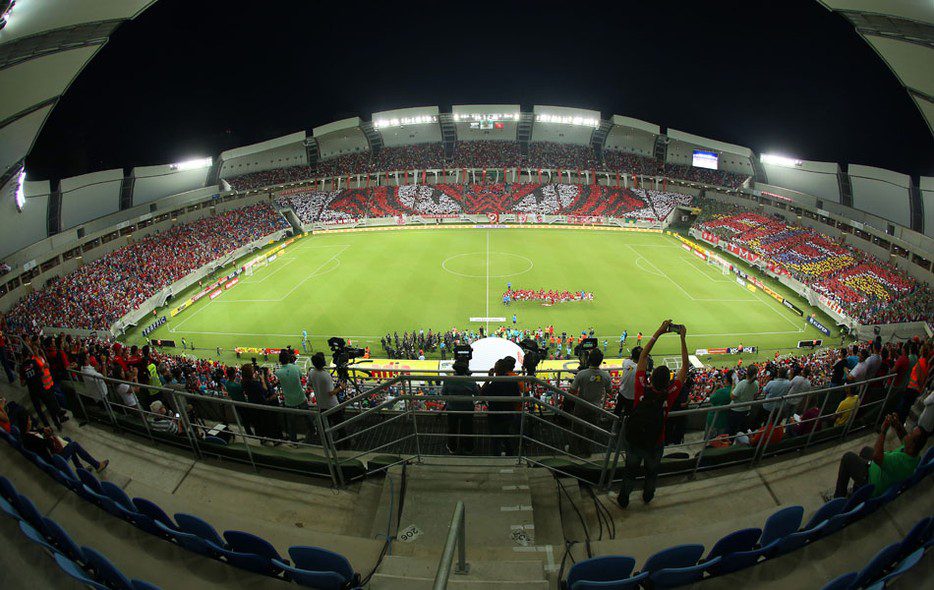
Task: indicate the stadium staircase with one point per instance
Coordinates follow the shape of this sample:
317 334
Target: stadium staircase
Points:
373 137
448 134
524 132
598 138
846 189
661 149
759 173
312 152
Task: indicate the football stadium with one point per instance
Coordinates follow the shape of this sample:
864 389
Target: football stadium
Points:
537 346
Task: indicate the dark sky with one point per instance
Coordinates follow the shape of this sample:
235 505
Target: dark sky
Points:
192 78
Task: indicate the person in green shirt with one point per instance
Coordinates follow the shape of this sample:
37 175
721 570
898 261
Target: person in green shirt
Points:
719 422
882 468
290 380
234 390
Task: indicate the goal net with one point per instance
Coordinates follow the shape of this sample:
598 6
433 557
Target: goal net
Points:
720 263
251 267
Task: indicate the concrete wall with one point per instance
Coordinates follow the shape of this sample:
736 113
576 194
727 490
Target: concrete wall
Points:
90 196
21 228
681 152
280 152
813 178
410 134
156 182
881 192
349 140
631 140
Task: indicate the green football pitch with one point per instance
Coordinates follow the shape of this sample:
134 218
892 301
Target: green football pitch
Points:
361 285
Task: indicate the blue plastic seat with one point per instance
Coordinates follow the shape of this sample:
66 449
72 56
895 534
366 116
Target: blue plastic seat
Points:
630 583
797 540
679 556
842 582
89 480
738 560
826 512
141 585
844 518
781 524
859 495
215 440
30 513
65 475
918 536
149 514
908 562
35 536
312 579
250 543
105 571
874 503
318 559
7 490
673 577
877 565
7 438
62 541
8 510
191 524
192 542
741 540
73 570
607 568
122 505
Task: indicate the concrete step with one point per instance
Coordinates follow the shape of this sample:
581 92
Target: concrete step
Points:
385 517
416 573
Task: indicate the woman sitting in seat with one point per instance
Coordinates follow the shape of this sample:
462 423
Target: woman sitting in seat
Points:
45 444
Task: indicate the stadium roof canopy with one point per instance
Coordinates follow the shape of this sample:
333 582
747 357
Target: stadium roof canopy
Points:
902 33
43 47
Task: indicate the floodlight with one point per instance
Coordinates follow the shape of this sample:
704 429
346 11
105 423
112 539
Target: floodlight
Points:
192 164
779 160
19 195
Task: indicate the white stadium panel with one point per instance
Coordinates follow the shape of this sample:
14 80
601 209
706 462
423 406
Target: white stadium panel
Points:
881 192
281 152
624 121
16 138
488 122
564 124
155 182
22 228
730 157
30 17
911 62
812 178
631 140
90 196
919 10
341 137
408 126
39 79
927 201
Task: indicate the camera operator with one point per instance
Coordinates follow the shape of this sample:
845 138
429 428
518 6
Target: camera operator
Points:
325 391
501 415
591 385
290 380
460 424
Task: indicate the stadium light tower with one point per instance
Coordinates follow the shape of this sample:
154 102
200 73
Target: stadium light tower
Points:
192 164
19 195
777 160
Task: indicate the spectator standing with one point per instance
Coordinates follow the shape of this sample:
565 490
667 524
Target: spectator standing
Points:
627 382
326 394
34 373
719 422
501 414
460 426
290 380
591 385
645 428
916 381
744 391
776 388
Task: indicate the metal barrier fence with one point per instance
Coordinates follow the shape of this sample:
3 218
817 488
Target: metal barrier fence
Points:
395 421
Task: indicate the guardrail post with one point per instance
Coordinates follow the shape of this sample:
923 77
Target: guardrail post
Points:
610 450
142 417
756 456
820 414
183 414
707 430
457 536
246 441
330 453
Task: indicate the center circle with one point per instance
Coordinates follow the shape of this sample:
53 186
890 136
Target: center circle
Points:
480 265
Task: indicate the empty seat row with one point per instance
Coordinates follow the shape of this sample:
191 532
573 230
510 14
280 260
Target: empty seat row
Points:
84 564
309 566
782 533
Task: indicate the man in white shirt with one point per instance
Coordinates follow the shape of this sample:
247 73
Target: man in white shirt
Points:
96 386
325 393
627 383
801 383
126 392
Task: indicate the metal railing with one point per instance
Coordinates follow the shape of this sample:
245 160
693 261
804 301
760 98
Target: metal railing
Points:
457 536
406 419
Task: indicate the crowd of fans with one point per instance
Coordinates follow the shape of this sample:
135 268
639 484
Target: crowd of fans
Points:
479 199
485 154
867 289
97 294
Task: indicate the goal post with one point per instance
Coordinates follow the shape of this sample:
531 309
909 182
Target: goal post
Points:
720 263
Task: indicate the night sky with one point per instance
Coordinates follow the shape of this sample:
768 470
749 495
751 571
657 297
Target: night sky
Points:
192 78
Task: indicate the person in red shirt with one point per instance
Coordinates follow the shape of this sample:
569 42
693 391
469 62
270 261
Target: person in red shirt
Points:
659 390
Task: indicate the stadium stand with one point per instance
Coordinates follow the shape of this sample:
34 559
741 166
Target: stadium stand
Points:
97 294
480 199
870 290
485 154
